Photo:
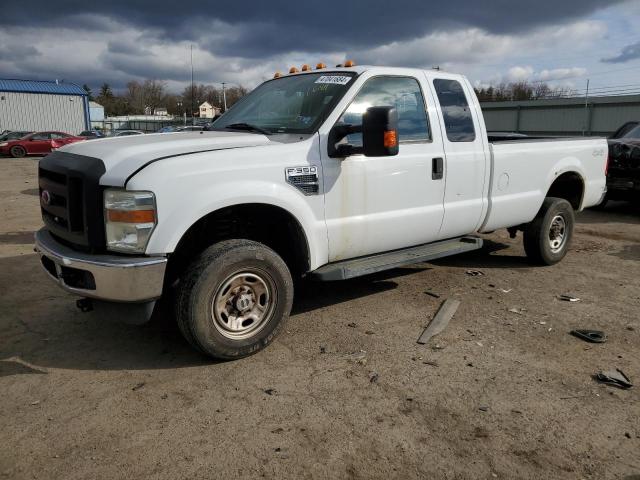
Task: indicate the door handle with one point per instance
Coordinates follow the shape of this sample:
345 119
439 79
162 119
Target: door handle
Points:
437 168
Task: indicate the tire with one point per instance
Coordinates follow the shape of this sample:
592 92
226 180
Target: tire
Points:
222 281
539 245
18 151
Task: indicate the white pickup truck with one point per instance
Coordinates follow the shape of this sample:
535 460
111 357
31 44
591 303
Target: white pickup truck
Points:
324 173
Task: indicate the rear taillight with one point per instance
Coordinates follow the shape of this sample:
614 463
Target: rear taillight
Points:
606 165
56 144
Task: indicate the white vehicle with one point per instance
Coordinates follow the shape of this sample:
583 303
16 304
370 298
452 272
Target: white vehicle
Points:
326 173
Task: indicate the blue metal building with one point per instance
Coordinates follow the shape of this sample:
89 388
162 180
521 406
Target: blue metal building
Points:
40 105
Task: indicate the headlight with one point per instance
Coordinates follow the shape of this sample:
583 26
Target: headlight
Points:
129 218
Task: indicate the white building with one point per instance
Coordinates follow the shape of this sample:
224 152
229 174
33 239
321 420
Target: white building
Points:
208 111
96 112
38 105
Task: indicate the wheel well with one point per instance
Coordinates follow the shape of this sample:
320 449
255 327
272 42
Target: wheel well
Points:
267 224
569 186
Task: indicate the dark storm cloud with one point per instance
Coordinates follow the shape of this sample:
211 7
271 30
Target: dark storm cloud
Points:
630 52
262 28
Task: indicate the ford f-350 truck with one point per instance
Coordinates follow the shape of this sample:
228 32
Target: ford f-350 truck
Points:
323 173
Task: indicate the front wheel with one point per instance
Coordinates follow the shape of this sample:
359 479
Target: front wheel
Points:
547 237
234 299
18 151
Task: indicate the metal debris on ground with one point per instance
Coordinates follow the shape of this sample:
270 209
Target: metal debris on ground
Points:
518 311
593 336
138 386
505 291
474 273
568 298
373 377
440 321
615 378
431 294
270 391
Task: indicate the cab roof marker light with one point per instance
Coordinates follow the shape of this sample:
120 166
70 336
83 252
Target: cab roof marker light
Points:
349 63
293 70
277 75
320 66
305 68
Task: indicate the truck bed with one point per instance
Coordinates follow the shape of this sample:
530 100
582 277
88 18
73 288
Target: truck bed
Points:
523 169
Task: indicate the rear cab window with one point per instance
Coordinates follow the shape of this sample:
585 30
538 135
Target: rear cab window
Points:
458 121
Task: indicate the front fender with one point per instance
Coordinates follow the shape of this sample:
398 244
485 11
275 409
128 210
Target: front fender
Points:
179 212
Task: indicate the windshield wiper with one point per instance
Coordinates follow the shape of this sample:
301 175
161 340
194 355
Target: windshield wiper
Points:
248 127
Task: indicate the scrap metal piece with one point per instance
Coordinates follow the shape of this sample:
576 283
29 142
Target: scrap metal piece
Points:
568 298
440 321
593 336
615 378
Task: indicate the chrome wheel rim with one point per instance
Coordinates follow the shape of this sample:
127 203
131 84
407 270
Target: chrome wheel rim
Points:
557 233
243 304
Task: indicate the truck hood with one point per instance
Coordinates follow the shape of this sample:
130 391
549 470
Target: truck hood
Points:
123 156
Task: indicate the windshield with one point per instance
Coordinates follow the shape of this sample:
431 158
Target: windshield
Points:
295 104
633 133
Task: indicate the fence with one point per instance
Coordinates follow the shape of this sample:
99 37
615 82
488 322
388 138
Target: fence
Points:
564 116
146 123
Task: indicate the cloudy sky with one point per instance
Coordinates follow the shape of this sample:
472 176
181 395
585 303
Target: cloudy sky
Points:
563 42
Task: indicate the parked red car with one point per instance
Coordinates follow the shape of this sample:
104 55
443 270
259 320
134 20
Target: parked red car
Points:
39 143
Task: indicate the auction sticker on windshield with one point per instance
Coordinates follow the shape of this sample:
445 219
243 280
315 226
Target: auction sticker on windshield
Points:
334 79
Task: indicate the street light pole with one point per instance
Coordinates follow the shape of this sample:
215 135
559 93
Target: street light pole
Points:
193 121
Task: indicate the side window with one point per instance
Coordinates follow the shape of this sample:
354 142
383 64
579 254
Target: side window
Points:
455 109
401 92
41 136
57 135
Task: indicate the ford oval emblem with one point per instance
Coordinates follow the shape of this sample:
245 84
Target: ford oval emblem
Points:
45 196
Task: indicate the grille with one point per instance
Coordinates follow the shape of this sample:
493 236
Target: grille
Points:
71 199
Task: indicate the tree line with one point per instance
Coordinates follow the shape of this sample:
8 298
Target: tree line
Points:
521 91
149 95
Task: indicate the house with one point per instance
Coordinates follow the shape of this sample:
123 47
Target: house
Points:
208 111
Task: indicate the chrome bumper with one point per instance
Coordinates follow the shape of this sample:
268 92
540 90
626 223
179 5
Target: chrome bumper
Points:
105 277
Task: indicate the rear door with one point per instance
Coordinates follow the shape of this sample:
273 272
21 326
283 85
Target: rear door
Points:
466 164
376 204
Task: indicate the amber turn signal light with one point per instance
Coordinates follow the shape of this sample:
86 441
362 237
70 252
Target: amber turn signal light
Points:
293 70
349 63
320 66
131 216
390 138
277 75
306 68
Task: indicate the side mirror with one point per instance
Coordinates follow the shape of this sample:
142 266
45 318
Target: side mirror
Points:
379 135
380 132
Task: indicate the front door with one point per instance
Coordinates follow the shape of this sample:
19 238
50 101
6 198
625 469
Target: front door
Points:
39 143
377 204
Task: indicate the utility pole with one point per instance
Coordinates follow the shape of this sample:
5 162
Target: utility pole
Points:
586 109
224 96
193 121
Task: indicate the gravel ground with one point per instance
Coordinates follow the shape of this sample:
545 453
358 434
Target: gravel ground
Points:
345 392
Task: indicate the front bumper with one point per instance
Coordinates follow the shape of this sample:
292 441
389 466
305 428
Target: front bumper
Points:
116 278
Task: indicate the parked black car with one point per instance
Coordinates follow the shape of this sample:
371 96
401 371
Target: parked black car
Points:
623 176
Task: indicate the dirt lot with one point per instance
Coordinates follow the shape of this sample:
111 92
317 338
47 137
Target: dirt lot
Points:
345 392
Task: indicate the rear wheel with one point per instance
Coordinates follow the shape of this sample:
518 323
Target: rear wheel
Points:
18 151
234 299
547 237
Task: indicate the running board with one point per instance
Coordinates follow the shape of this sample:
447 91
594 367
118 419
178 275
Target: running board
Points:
384 261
